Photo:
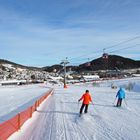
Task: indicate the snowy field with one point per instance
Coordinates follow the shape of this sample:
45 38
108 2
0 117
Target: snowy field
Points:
57 118
132 84
14 99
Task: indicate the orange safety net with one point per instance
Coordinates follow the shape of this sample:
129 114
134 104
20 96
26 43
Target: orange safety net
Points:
24 116
9 127
12 125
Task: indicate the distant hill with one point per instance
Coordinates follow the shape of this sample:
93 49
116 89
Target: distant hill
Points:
113 62
59 68
52 68
2 61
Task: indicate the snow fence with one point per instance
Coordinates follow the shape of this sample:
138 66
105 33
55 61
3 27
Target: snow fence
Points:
12 125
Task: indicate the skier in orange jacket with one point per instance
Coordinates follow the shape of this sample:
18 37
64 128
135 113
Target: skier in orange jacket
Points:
86 97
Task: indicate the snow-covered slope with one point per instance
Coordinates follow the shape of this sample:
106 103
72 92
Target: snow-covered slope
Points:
131 84
57 118
14 99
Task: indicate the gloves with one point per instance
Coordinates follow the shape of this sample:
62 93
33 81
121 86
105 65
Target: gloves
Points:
78 100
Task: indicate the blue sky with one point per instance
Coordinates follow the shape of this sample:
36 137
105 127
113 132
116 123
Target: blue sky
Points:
44 32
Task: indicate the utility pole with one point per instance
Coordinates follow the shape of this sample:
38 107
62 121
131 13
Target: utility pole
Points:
64 63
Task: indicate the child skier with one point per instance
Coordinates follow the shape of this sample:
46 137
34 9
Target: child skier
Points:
121 96
86 97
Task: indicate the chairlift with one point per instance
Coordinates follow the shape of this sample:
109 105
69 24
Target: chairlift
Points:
105 56
88 64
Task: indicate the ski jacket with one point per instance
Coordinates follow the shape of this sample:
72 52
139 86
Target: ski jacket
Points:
86 98
121 94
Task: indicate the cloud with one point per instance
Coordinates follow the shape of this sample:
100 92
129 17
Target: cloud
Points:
81 28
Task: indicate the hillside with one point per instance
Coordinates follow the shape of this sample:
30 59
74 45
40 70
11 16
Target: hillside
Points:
2 61
112 63
10 70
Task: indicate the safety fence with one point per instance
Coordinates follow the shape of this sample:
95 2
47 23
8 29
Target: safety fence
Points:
12 125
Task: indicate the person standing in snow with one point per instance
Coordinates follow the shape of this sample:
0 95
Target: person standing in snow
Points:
86 97
121 96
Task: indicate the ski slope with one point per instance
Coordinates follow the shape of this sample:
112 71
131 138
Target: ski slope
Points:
57 117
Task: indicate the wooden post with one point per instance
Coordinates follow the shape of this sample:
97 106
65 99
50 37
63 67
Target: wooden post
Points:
18 121
36 106
31 111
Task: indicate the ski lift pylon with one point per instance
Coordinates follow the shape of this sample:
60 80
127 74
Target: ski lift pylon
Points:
88 64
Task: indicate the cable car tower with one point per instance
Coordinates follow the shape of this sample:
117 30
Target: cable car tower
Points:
64 63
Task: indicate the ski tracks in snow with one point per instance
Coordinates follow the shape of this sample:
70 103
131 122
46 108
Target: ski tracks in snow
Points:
104 130
95 125
58 120
75 130
72 131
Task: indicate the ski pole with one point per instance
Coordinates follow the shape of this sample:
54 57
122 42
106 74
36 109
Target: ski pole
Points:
114 100
92 104
127 105
125 102
78 104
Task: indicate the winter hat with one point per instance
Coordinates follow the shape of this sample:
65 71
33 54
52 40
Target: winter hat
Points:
87 90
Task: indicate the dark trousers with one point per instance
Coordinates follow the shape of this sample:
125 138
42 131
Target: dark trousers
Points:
82 107
119 102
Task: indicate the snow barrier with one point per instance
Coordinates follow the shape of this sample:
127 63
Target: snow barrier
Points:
12 125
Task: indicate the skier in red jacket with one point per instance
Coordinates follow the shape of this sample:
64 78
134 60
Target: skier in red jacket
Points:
86 97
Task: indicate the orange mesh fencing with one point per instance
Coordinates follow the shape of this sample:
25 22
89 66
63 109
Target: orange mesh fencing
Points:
12 125
9 127
25 115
